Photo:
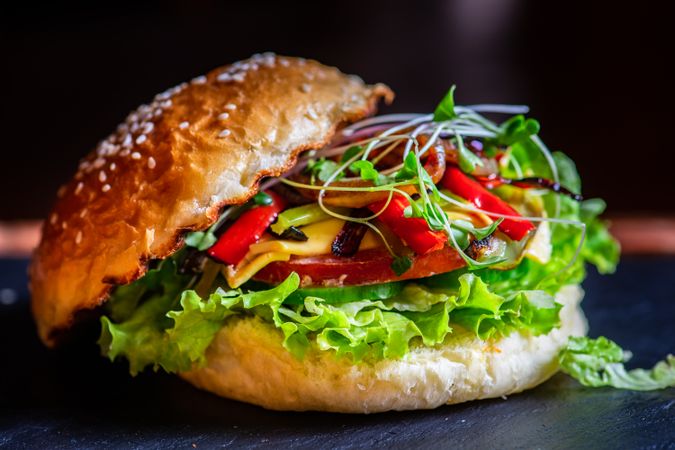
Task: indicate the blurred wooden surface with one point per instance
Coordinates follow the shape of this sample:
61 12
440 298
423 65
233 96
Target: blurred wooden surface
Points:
645 236
17 239
638 235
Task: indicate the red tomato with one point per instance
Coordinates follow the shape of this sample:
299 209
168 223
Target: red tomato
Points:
366 267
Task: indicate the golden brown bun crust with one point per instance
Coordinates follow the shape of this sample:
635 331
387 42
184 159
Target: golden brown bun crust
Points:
246 362
171 167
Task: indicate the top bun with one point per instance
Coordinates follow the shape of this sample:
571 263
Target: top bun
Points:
173 164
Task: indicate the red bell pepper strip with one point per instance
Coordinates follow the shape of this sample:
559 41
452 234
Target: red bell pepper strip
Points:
413 231
459 183
233 245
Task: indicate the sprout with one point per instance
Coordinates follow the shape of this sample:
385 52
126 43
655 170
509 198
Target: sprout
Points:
393 130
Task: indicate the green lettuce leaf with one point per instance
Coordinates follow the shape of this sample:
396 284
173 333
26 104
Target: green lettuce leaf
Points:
488 314
196 324
599 362
599 247
140 312
385 329
171 329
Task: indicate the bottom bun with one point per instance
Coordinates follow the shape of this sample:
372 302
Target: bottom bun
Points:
247 362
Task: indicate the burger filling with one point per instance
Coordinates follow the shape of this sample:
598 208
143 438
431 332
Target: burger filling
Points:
406 231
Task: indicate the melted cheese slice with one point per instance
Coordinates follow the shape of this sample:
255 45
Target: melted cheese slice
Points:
236 276
476 218
320 238
539 248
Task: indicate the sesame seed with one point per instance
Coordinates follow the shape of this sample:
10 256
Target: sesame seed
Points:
305 88
135 155
113 166
99 162
53 218
105 188
79 187
199 80
224 133
104 148
231 106
102 176
84 212
183 125
64 225
166 104
141 138
78 237
127 141
268 59
158 112
125 152
223 116
148 127
151 162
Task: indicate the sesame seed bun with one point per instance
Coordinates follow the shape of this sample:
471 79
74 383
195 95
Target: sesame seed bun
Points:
173 164
463 368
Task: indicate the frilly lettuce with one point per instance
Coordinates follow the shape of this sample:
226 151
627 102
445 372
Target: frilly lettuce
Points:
599 362
172 329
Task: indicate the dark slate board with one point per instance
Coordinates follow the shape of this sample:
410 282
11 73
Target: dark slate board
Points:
74 398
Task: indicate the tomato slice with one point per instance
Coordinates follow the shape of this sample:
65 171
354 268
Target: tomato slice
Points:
366 267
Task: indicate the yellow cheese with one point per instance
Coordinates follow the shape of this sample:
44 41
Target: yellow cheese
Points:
320 237
478 219
236 276
539 248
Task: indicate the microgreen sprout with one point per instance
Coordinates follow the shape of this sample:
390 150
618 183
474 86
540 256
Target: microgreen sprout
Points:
359 160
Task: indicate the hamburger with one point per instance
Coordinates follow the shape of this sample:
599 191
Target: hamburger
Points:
260 233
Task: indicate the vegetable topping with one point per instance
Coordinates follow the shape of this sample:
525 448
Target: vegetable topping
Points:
247 230
462 185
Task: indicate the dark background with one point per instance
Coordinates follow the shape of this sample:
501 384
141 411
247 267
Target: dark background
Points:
596 74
